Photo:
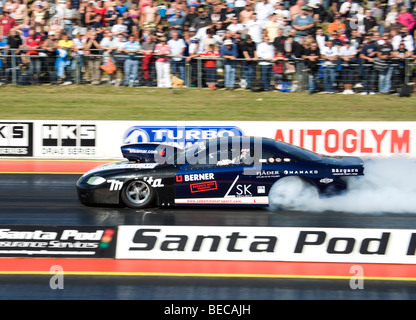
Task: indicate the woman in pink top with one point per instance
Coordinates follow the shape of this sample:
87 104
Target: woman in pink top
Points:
406 18
162 52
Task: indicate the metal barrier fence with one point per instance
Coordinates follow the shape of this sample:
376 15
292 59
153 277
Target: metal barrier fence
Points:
19 68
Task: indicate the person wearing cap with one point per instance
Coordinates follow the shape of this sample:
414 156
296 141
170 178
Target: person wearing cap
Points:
303 23
229 52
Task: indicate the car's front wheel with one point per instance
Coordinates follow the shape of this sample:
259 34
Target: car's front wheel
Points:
137 194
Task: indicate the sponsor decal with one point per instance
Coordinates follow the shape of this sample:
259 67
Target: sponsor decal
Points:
344 172
178 136
267 244
115 185
203 186
194 177
155 183
348 140
296 172
326 180
51 241
268 174
16 139
69 139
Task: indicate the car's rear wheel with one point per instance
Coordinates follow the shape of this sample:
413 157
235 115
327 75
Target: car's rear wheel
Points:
137 194
291 193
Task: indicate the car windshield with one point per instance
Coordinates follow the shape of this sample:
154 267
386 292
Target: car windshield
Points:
298 152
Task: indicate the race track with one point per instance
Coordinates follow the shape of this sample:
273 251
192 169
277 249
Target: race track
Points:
50 199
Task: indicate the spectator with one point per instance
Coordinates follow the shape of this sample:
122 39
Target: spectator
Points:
34 42
229 52
265 53
406 19
250 56
177 49
263 10
202 20
272 26
303 23
100 10
383 65
70 16
329 54
312 56
150 14
131 64
49 46
162 50
210 66
234 26
368 54
254 29
278 68
7 23
336 24
177 23
21 12
347 54
148 64
93 58
111 15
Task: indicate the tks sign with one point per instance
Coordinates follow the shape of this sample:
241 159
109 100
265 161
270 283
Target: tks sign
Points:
267 244
348 141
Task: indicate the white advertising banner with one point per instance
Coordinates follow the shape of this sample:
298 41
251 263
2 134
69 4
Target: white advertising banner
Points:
71 139
397 246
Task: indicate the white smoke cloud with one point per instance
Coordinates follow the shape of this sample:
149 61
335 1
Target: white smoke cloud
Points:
388 186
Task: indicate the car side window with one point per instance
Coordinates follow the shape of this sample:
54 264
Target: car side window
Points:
219 158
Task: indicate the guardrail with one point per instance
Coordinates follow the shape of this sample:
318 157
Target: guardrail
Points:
21 68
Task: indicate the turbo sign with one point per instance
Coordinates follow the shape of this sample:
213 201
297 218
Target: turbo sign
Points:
178 136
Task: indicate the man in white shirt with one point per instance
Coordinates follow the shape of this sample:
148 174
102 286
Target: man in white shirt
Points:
263 10
254 29
177 49
265 54
347 54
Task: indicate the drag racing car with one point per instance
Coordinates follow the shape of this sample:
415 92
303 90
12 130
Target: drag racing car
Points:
227 171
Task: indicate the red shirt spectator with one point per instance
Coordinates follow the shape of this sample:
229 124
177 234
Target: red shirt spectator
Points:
210 53
7 23
101 10
34 41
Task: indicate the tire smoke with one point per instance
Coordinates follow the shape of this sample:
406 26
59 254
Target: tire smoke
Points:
388 186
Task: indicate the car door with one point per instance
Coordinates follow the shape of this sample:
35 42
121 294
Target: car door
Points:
221 178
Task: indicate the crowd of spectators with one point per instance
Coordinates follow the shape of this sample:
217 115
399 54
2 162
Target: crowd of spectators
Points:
263 42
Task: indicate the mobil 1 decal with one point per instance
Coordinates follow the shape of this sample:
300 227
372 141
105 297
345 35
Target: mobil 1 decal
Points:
57 241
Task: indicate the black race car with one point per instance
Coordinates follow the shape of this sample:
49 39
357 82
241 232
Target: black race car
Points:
228 171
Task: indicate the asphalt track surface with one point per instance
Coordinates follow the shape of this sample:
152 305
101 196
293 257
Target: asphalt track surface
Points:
49 199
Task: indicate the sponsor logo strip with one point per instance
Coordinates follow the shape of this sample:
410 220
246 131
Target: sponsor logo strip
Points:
228 200
204 186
